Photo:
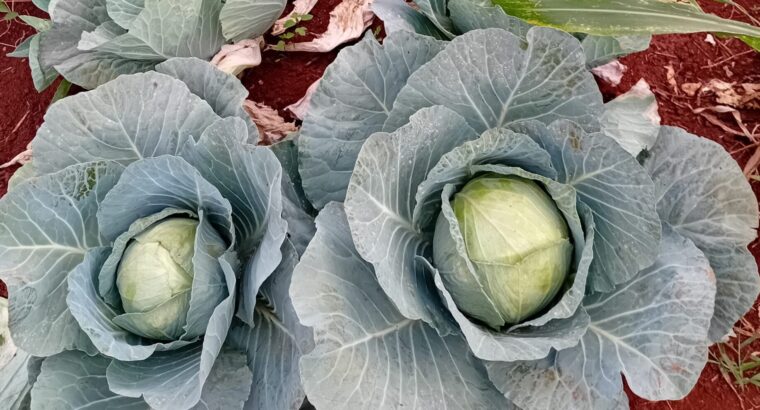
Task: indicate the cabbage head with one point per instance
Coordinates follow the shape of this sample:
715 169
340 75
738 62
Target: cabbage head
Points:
90 42
148 250
492 235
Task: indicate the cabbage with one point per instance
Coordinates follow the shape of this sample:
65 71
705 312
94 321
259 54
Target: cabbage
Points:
149 233
493 157
518 249
91 42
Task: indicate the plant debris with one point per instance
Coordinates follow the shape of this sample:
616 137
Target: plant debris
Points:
272 127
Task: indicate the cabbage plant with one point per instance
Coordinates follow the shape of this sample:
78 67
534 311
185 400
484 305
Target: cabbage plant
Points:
148 250
505 239
91 42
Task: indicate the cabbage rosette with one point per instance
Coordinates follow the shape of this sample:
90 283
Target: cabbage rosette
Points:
506 238
90 42
147 252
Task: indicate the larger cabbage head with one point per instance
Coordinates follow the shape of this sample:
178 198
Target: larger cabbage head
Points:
497 244
90 42
147 251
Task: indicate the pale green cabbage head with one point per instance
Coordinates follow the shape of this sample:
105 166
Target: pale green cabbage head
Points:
155 276
518 247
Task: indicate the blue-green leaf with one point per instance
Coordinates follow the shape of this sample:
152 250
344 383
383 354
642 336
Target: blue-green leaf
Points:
398 15
703 194
151 185
352 101
222 91
256 200
437 12
42 76
124 12
601 50
243 19
491 79
632 119
74 380
228 383
652 329
469 15
615 187
125 120
53 226
171 28
22 50
18 370
380 203
275 343
497 146
367 354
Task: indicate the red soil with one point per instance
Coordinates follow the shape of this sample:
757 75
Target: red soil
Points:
21 107
283 78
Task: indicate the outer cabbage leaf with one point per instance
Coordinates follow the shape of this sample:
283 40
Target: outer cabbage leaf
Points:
19 370
703 194
124 120
367 354
437 12
243 19
170 28
42 76
74 380
151 185
632 119
255 199
208 287
222 91
296 208
352 101
16 380
43 245
59 46
601 50
275 343
380 201
124 12
42 4
491 79
652 329
618 191
469 15
228 383
398 15
94 41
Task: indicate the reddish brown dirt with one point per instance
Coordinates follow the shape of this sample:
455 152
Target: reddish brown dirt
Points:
284 77
21 107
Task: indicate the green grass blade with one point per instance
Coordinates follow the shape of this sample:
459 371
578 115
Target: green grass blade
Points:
626 17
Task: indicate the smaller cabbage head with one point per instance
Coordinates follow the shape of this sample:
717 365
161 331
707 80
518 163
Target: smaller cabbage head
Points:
518 250
155 278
